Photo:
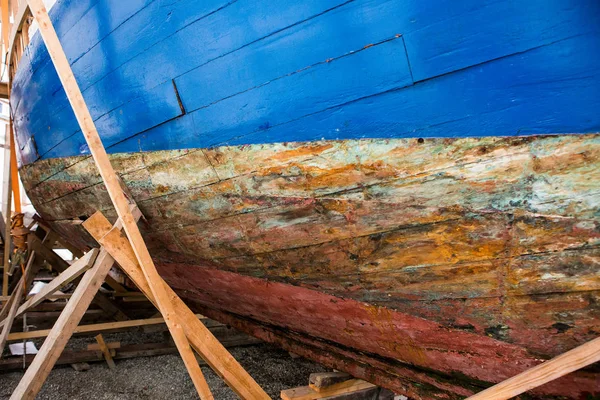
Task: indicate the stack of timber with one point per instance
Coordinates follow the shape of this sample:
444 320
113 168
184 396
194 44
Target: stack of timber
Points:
403 190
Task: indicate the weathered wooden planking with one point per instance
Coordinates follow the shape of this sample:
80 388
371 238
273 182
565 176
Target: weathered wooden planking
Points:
487 105
513 70
471 233
511 30
390 334
87 57
216 22
482 173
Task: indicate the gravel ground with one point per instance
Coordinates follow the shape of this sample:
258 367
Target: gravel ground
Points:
165 377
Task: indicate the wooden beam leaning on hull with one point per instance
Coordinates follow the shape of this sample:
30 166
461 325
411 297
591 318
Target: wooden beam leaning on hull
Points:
579 357
200 337
65 325
115 192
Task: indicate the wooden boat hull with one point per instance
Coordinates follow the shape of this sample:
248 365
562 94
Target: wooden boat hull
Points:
473 258
404 190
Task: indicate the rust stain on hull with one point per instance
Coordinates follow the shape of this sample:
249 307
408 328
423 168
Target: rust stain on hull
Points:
498 238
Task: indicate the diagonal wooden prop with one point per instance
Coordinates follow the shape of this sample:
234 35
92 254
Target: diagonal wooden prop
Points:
115 192
579 357
201 339
157 289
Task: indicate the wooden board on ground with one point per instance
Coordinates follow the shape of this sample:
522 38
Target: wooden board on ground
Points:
92 353
343 388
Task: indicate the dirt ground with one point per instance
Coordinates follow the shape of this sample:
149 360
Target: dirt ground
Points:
165 377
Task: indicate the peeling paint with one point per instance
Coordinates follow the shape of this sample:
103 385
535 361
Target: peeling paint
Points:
476 233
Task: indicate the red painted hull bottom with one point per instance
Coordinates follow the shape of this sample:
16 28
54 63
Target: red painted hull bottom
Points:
407 354
434 267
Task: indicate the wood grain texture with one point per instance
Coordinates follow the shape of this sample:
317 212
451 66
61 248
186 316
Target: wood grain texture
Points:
271 71
496 237
570 361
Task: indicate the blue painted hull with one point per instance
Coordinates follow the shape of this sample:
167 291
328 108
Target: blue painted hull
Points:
163 75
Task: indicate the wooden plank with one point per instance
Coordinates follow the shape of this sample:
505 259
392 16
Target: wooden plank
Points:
40 368
57 338
6 211
306 393
76 252
5 23
14 169
52 297
3 90
67 296
115 191
106 326
321 380
61 265
116 286
67 276
125 352
18 295
581 356
201 339
105 351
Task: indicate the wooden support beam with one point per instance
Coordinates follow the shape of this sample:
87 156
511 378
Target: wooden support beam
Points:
124 352
61 332
5 23
343 388
66 296
36 374
18 295
61 265
116 194
201 339
14 169
44 225
92 328
4 90
67 276
114 285
6 212
579 357
105 351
